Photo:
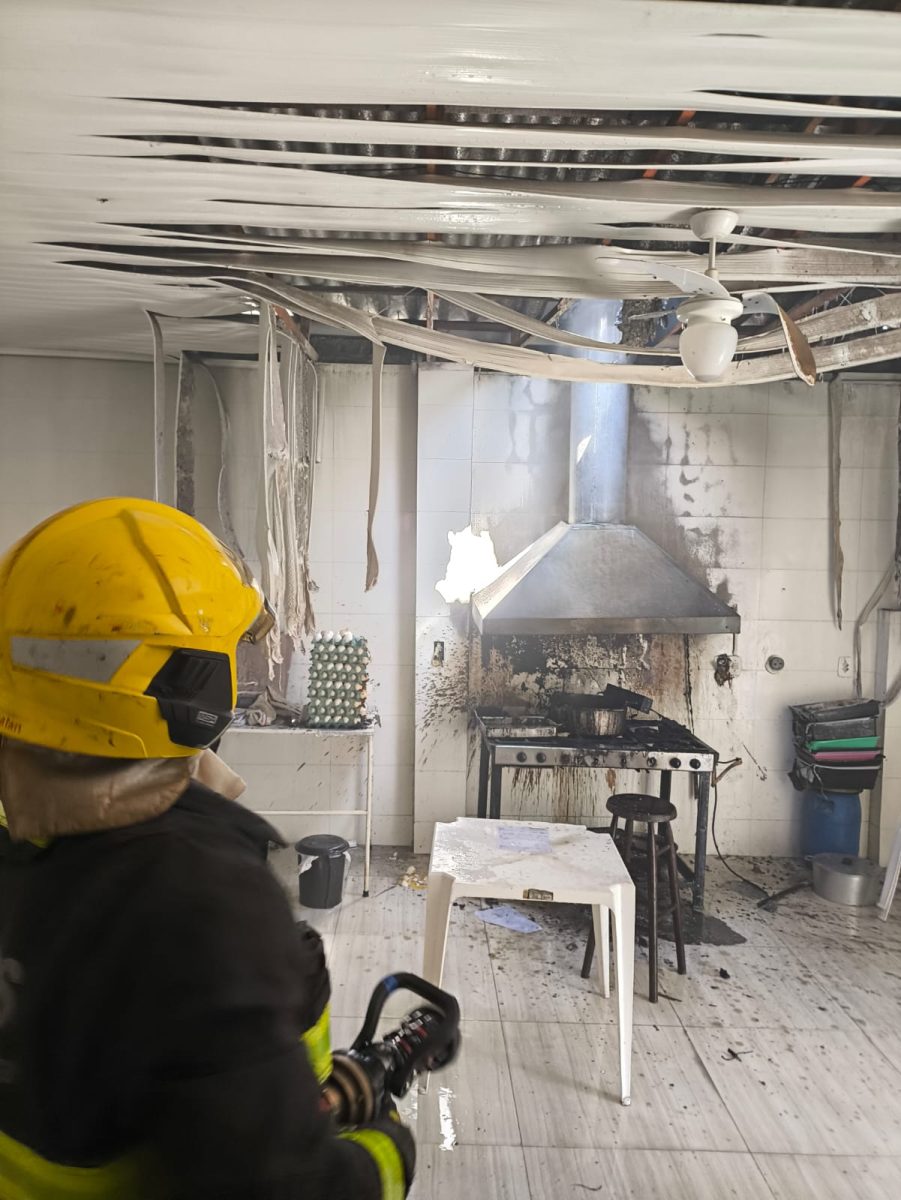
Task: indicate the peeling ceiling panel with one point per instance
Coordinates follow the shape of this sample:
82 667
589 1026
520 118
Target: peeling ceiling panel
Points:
378 152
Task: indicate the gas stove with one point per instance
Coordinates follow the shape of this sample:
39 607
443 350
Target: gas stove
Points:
514 739
646 744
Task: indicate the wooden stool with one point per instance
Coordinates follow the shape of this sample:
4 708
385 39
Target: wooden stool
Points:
651 811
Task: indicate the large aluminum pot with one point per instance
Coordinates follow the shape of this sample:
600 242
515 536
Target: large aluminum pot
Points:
844 879
585 715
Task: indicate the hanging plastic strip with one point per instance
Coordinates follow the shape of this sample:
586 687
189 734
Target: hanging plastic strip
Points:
222 505
184 462
159 405
835 516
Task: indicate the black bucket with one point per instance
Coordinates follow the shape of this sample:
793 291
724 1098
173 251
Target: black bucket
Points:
321 885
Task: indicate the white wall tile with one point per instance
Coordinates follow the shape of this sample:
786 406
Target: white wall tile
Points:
870 442
797 441
429 601
775 799
352 426
390 639
803 492
720 400
879 496
394 742
804 645
523 487
876 545
718 439
651 399
772 742
779 838
516 394
776 692
394 592
738 587
393 787
500 436
799 545
723 541
392 829
433 531
721 491
423 832
443 484
801 595
649 438
787 399
440 795
440 383
445 431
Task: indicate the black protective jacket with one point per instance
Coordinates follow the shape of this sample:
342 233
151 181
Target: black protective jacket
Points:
153 990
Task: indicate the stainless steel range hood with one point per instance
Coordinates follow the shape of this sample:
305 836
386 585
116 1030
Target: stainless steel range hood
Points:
594 574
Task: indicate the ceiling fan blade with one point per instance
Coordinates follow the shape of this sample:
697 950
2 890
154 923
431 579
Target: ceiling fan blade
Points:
798 346
689 283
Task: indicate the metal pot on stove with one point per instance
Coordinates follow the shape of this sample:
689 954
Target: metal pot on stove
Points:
588 715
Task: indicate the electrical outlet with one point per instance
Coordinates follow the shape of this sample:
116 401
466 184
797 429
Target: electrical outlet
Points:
844 667
726 667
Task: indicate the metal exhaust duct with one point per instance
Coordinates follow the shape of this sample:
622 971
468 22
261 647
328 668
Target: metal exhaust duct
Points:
593 574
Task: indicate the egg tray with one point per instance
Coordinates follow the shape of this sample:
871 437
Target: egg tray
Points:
339 680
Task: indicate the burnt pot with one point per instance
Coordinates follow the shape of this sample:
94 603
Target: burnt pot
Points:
589 716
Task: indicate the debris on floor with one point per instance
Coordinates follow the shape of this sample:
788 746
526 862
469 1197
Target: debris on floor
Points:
413 880
507 918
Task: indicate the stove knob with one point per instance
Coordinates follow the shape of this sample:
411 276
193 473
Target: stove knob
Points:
675 762
541 756
695 764
522 756
652 761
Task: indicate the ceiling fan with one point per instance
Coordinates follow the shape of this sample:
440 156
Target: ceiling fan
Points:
708 340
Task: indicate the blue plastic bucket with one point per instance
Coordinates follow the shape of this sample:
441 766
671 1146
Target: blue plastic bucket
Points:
830 823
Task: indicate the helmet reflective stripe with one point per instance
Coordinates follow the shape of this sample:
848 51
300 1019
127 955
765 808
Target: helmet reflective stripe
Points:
95 661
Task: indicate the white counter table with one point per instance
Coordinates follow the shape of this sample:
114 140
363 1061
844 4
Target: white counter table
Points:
302 734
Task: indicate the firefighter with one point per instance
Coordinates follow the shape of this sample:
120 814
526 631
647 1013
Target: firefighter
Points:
163 1021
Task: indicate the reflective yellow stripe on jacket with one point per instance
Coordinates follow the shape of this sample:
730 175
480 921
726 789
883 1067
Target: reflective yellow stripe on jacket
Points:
387 1158
25 1175
319 1047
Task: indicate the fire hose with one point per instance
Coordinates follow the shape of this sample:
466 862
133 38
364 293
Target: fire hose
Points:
365 1077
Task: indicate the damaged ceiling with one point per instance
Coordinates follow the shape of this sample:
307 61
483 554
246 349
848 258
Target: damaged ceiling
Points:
425 165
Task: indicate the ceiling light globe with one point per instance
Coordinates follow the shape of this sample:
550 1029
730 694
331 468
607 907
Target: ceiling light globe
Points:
707 348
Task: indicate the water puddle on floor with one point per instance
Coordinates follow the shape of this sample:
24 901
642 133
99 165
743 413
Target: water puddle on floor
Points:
702 929
446 1119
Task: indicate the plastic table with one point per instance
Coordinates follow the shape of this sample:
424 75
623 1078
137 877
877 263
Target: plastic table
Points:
535 860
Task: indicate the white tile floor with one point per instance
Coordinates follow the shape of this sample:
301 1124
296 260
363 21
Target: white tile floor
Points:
771 1072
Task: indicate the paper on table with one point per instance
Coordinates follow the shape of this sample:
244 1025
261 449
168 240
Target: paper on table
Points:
507 918
524 839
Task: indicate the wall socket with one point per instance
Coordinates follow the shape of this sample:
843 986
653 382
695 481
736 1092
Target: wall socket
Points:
844 667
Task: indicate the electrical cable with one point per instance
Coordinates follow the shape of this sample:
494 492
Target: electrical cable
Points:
719 853
768 897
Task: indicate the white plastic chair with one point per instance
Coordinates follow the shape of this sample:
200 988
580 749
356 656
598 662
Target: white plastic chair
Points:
534 860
